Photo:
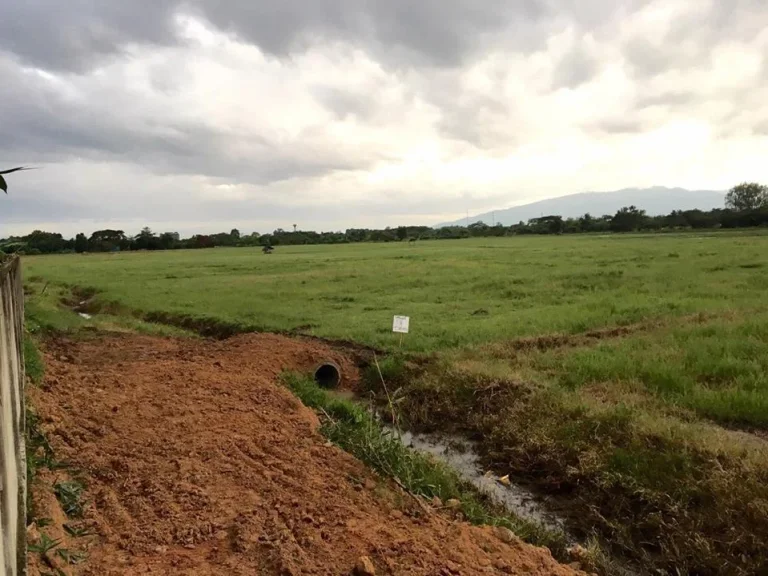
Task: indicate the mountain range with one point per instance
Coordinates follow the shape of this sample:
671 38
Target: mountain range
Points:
655 201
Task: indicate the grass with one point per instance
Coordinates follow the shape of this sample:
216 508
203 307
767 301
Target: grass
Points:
659 490
719 369
527 286
48 310
624 374
45 545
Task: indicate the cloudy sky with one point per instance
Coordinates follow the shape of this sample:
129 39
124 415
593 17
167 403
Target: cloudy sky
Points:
203 115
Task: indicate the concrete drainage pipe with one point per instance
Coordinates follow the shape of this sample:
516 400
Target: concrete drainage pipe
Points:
328 375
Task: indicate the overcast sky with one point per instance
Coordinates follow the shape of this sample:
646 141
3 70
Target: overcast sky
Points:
203 115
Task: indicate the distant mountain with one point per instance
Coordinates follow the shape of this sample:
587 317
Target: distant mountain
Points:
655 201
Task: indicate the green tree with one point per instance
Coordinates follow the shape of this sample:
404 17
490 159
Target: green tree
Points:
747 196
235 234
586 223
81 243
547 224
45 242
628 219
107 240
168 240
145 240
402 232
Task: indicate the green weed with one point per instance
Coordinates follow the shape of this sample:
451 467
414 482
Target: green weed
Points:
44 545
70 496
78 531
34 367
71 557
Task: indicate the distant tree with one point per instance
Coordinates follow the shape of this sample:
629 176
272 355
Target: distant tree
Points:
41 242
235 234
747 196
402 232
477 228
586 223
168 240
107 240
146 240
547 225
81 243
251 240
356 235
200 241
628 219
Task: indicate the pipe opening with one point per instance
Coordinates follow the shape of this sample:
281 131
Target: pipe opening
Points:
328 375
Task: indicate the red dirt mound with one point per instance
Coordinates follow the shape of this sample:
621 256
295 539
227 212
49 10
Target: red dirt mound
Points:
198 463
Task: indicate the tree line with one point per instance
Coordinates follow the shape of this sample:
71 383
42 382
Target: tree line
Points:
746 205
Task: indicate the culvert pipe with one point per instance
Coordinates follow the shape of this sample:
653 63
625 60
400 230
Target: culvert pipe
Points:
328 375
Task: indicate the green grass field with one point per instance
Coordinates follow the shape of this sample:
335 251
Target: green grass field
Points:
627 373
456 292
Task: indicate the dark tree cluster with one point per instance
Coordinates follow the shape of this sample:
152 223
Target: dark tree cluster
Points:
746 207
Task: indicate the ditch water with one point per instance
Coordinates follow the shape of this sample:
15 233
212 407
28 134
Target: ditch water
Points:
461 455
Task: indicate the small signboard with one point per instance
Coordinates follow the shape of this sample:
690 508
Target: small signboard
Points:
401 324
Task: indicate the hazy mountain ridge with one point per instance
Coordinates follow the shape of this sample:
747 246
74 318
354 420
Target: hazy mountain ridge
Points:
655 201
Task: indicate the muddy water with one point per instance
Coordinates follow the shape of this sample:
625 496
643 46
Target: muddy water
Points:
461 455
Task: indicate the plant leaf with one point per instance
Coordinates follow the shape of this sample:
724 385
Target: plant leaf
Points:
14 170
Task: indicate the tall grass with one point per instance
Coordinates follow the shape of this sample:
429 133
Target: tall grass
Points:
719 370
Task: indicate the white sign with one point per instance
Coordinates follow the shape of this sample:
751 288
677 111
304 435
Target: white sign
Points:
401 324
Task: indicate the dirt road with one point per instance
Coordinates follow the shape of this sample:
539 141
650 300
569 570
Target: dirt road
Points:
198 463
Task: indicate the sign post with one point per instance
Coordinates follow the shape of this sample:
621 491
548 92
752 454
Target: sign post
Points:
401 325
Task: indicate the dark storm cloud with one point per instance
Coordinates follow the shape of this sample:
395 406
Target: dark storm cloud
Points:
441 32
77 34
39 123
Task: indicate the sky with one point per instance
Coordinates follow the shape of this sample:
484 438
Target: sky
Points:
205 115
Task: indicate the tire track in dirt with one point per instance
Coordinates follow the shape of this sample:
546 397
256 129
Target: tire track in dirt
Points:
198 463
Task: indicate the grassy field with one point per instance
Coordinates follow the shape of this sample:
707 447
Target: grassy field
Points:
624 373
456 292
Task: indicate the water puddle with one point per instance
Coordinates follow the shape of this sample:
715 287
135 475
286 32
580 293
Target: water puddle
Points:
460 454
